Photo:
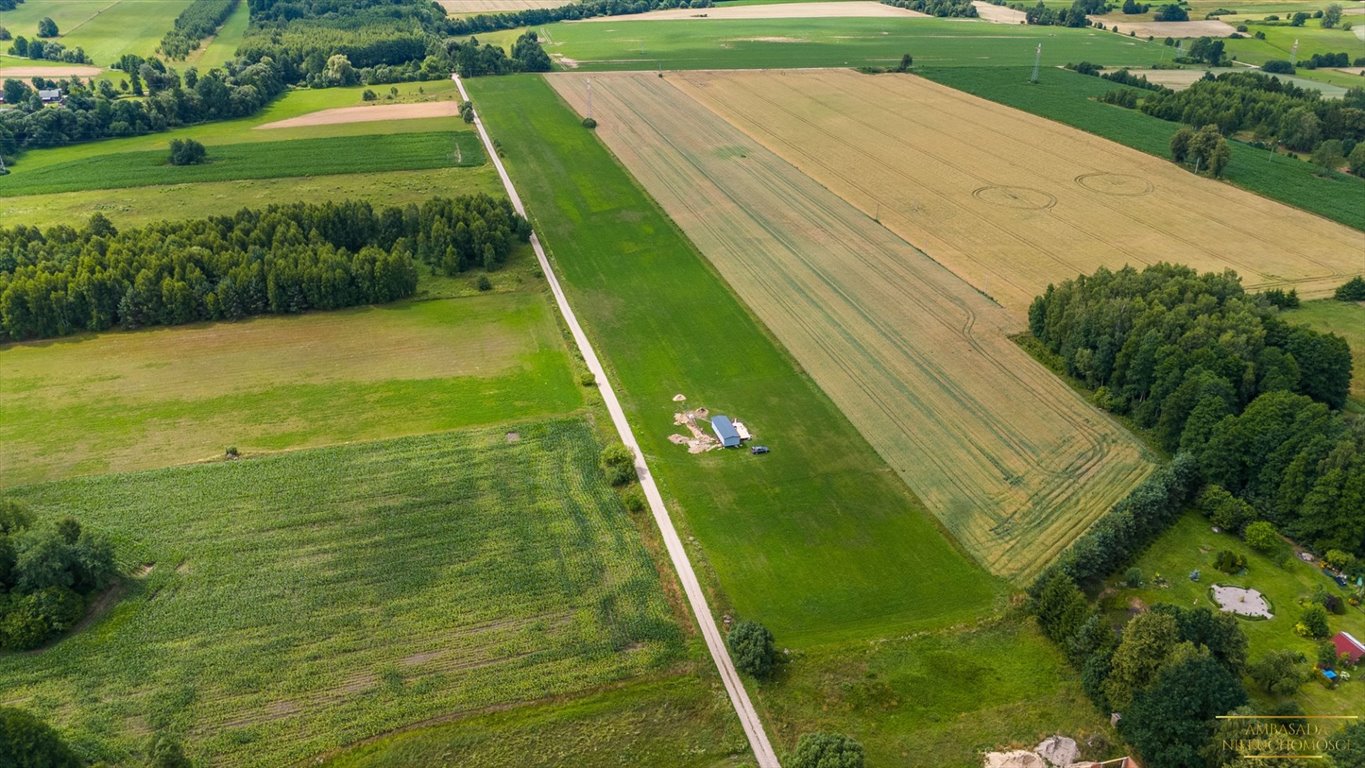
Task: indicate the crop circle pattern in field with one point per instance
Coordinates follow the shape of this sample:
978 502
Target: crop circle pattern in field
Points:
1024 198
1120 184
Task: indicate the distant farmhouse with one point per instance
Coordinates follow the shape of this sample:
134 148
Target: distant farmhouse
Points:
50 95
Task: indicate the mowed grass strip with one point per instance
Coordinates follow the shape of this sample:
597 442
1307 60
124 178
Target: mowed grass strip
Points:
1011 203
264 160
1010 459
1069 98
142 205
122 401
819 539
304 601
764 44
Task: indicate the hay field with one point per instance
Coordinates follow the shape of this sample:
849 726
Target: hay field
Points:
843 9
1009 458
1011 202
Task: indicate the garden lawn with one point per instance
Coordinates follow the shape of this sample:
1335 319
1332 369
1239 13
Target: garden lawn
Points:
1190 544
288 605
777 43
131 400
141 205
1345 319
682 722
300 157
819 539
1069 98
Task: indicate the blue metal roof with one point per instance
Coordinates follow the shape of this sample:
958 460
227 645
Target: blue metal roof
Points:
725 431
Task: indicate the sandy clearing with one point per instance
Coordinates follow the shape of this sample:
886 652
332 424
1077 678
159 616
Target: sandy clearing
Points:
998 14
1009 458
831 10
1175 79
1145 27
64 70
924 158
1352 70
368 114
495 6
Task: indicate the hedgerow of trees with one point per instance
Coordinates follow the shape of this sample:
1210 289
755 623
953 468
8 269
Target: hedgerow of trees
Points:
282 259
942 8
1248 401
195 23
46 576
47 49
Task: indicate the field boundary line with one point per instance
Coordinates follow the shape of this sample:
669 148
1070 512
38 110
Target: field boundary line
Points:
734 686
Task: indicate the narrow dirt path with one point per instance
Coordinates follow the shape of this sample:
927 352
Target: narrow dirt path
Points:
739 697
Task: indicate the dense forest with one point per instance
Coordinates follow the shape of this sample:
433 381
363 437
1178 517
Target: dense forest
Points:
1215 373
46 576
1266 107
199 21
282 259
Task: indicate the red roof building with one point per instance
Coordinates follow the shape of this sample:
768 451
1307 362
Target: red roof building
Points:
1349 647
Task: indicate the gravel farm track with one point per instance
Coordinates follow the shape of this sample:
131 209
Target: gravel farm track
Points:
1011 460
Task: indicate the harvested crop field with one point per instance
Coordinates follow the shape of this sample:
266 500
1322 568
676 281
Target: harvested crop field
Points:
462 7
1009 458
817 10
368 114
998 14
58 70
1145 27
1011 202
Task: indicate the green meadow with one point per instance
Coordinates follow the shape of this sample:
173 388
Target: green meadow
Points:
285 606
106 29
622 44
262 160
222 47
120 401
1191 544
819 540
1070 98
1347 320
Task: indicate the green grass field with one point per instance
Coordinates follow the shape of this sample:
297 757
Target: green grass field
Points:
106 29
222 47
294 103
1191 544
1347 320
301 602
264 160
1069 98
818 540
141 205
681 723
777 43
123 401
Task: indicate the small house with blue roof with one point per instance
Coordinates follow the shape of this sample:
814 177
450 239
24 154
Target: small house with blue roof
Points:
725 431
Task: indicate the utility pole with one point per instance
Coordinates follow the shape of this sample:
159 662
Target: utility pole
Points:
1037 61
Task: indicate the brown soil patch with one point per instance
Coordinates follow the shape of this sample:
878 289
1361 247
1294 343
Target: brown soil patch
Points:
1145 27
368 114
835 10
65 70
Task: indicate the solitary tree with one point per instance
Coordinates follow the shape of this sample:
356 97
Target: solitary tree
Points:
187 152
1313 622
752 648
47 27
827 750
1329 155
618 463
1331 16
1278 672
906 62
1261 537
1356 160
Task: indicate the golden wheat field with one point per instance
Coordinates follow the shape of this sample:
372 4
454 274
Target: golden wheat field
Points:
1011 202
1009 458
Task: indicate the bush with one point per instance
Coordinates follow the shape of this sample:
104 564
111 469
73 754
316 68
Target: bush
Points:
827 750
47 27
751 647
1133 578
369 95
1261 536
1313 622
1228 561
1225 510
28 742
634 500
588 122
483 283
619 464
187 152
166 752
1353 289
1277 66
1278 672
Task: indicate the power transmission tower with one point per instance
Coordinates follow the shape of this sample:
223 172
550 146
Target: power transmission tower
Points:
1294 54
1037 61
